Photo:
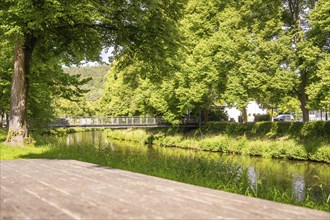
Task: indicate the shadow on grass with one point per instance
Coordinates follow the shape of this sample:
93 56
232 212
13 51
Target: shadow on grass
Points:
3 134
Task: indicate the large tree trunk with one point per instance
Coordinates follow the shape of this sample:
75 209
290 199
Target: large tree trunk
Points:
18 132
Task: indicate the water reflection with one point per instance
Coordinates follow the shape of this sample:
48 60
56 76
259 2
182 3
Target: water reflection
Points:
252 177
95 138
298 184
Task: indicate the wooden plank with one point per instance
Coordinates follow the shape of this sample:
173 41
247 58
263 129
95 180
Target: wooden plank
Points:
68 189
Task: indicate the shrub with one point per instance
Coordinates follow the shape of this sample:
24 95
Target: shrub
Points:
237 129
265 117
170 141
209 145
276 150
253 149
321 154
295 128
219 127
280 128
261 128
217 115
296 152
271 129
189 143
238 145
315 129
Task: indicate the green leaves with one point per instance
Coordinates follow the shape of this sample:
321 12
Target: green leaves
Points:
319 90
178 57
232 52
6 67
66 32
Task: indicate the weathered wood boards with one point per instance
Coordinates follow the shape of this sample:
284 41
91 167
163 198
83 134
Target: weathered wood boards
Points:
67 189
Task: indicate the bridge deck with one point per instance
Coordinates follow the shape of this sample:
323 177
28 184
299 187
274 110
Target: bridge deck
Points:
120 122
67 189
123 126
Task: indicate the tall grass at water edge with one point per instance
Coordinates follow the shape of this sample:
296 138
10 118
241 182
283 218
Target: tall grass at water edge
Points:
317 149
189 166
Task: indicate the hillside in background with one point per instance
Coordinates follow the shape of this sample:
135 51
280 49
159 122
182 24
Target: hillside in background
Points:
95 86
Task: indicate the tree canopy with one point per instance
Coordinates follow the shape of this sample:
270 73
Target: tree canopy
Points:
273 52
171 58
72 31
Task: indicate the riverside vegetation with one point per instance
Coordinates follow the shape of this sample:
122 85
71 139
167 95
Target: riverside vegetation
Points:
267 179
207 53
298 141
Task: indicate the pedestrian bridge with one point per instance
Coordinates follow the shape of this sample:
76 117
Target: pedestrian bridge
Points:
119 122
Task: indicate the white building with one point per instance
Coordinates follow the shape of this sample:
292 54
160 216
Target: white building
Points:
252 109
317 115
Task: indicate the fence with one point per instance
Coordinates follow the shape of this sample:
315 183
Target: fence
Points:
119 121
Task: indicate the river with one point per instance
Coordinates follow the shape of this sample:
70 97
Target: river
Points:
297 182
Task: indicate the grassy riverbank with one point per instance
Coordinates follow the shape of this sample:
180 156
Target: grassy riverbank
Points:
42 143
194 167
270 145
12 153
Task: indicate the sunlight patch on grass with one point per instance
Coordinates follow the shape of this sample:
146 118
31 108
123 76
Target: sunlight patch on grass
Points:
14 153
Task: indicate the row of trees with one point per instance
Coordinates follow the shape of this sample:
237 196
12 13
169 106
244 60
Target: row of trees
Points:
273 52
172 58
43 35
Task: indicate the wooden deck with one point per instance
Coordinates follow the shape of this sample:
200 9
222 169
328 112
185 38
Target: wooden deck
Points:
68 189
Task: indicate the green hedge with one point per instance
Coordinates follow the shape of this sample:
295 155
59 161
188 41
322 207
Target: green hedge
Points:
312 129
265 117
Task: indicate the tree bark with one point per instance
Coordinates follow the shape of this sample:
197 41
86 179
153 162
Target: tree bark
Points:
244 115
7 120
206 115
18 131
303 98
305 111
295 7
1 120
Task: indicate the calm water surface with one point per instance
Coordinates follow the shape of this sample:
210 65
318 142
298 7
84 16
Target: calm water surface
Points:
280 180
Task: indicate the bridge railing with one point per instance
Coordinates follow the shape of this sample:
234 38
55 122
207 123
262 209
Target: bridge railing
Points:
116 121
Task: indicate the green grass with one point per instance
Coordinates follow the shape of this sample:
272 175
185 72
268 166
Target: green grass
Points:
189 166
314 149
40 148
3 134
13 153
